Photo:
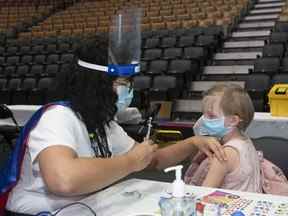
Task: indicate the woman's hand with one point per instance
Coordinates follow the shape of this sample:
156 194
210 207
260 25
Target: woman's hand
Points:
210 146
142 154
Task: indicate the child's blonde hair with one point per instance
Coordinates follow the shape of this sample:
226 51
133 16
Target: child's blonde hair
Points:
234 101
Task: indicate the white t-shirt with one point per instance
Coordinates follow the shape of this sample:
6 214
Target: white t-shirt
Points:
58 125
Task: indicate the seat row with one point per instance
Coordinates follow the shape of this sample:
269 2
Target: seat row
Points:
257 86
13 16
37 59
37 49
182 41
37 70
216 31
158 36
77 20
13 3
27 91
176 53
147 89
183 70
59 30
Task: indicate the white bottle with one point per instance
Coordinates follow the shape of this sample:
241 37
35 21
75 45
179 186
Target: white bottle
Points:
178 183
178 204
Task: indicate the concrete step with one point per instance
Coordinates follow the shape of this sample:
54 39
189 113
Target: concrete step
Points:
265 11
253 25
270 5
242 49
233 69
237 56
200 86
244 44
251 34
262 17
269 1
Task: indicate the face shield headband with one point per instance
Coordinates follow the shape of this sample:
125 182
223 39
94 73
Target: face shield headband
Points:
112 69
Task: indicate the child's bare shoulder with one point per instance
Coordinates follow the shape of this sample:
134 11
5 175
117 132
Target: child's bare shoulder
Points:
232 150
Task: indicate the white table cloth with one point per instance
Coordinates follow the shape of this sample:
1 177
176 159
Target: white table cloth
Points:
122 199
266 125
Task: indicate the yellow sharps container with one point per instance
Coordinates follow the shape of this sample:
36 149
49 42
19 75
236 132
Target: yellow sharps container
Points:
278 100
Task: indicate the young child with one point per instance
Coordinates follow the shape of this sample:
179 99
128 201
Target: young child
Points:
227 112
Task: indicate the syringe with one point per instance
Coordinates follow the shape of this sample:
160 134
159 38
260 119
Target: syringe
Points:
149 128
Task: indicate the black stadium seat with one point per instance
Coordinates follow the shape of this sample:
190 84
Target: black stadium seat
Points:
44 92
13 60
2 60
280 79
11 51
151 43
279 37
157 67
141 85
152 54
27 59
281 27
21 96
172 53
9 71
186 41
52 69
24 50
39 59
273 50
22 70
267 65
143 66
163 88
2 51
51 49
3 83
52 59
275 150
284 68
13 86
64 48
206 41
38 49
66 58
167 42
37 70
179 66
184 70
257 86
196 53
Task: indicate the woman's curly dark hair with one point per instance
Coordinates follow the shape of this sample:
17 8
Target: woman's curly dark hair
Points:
91 92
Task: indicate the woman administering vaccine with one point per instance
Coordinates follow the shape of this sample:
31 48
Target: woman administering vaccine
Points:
74 147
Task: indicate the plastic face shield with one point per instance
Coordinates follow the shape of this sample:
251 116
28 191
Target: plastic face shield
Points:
125 43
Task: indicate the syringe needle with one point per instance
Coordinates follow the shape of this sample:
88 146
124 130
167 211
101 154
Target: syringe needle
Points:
149 128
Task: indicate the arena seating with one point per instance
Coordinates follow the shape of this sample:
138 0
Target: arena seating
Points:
183 41
89 17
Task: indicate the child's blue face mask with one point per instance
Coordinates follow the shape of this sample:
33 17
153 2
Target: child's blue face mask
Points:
211 127
125 96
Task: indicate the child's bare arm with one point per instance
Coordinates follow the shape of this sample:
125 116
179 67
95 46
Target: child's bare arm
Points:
219 169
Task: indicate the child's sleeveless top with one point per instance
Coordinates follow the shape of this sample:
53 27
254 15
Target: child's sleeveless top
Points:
246 177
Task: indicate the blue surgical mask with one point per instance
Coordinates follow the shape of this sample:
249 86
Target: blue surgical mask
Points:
212 127
125 96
